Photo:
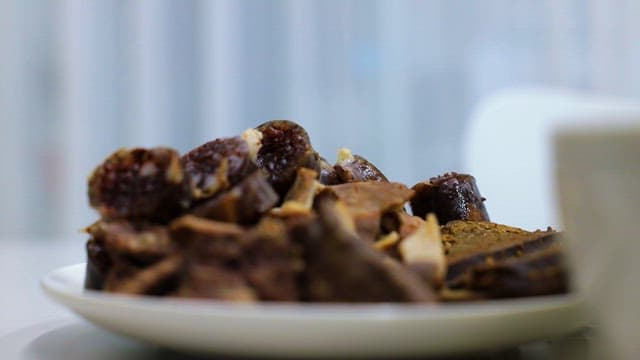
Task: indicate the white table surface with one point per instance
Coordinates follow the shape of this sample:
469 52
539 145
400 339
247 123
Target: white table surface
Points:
22 263
32 327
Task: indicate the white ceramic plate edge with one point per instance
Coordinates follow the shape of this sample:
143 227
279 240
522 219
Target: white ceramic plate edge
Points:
318 329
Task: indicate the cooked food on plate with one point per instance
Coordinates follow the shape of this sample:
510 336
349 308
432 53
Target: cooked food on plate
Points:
263 217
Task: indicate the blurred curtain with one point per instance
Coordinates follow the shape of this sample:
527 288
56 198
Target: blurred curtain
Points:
392 80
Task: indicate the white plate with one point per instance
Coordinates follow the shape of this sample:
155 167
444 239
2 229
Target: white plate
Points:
318 330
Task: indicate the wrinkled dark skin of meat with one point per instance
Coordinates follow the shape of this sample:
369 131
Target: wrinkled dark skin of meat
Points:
202 166
285 147
139 184
451 197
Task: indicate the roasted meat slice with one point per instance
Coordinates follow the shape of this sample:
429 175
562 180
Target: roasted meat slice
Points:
225 261
244 203
340 267
284 148
157 279
212 280
368 201
451 196
474 248
142 242
213 253
365 197
217 165
352 168
271 262
139 184
138 244
538 273
203 238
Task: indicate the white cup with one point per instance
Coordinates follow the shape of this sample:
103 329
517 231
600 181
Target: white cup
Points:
598 178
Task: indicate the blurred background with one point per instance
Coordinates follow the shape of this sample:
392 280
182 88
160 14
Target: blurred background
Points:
395 81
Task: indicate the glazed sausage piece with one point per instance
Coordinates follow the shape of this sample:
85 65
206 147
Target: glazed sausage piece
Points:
139 183
451 196
353 168
284 148
216 166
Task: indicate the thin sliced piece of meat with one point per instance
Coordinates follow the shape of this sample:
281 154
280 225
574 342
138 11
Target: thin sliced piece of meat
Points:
340 267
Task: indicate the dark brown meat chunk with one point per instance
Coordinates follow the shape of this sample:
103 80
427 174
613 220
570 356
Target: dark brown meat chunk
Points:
271 262
328 175
207 238
364 197
141 242
353 168
368 201
213 252
340 267
244 203
157 279
285 147
451 197
98 264
139 184
539 273
217 165
212 280
472 244
124 246
227 262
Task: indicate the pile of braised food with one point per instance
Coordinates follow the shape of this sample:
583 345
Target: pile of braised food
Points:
263 217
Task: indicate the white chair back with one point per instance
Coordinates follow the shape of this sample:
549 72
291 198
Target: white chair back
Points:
508 148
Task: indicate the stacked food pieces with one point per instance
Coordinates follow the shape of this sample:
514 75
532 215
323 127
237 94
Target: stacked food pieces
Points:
263 217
